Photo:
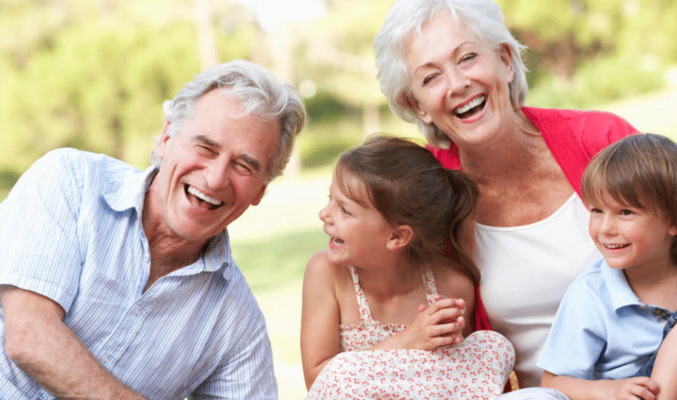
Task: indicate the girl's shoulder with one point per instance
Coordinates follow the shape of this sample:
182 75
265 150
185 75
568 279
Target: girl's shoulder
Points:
321 269
454 283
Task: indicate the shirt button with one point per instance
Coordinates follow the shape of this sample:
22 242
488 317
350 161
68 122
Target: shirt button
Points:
104 358
136 311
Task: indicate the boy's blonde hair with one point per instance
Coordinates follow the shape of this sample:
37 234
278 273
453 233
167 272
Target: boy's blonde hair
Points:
639 171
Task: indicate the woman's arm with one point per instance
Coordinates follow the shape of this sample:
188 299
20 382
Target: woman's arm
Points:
320 316
622 389
665 368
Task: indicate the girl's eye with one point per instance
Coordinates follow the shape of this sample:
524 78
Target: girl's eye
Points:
626 212
595 210
343 210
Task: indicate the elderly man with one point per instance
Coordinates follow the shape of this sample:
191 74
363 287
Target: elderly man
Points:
119 284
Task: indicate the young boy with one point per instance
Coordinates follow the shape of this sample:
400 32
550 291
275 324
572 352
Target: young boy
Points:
614 316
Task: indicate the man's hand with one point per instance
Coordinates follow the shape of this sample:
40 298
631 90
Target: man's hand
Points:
40 344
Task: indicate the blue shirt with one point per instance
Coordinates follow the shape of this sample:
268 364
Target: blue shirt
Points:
602 330
71 230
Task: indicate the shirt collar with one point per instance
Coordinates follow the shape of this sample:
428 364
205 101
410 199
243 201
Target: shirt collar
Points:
129 191
619 290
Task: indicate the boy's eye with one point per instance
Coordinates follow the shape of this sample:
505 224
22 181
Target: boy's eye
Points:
595 210
625 211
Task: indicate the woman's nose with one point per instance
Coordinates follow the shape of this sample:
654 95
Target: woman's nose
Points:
457 82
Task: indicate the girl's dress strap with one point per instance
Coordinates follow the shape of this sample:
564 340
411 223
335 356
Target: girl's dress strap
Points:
365 312
429 285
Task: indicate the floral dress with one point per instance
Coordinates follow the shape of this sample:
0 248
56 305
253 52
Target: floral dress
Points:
477 368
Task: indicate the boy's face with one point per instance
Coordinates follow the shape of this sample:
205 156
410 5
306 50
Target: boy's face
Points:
631 237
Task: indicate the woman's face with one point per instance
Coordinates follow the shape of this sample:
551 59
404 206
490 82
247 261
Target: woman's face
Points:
459 83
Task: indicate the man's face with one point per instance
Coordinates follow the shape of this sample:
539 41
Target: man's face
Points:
211 170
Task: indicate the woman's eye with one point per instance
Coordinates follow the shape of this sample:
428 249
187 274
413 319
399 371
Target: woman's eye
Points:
468 57
427 79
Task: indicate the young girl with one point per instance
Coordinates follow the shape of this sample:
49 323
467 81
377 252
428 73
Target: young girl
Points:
385 284
613 317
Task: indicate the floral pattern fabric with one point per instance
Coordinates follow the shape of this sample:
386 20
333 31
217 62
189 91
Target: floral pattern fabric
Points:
477 368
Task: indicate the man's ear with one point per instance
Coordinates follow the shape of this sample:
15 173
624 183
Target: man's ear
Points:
162 141
259 196
400 237
412 103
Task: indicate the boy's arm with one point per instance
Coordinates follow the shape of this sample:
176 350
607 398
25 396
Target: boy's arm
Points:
622 389
320 317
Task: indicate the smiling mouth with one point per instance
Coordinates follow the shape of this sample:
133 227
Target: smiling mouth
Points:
615 246
200 199
471 108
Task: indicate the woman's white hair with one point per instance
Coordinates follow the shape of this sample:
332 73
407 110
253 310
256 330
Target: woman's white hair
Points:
261 94
484 17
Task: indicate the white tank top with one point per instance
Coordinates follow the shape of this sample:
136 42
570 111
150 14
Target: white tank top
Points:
525 272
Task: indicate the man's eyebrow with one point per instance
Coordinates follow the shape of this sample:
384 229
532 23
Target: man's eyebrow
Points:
204 139
251 161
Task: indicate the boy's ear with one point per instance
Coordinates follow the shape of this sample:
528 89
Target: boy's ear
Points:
672 230
400 237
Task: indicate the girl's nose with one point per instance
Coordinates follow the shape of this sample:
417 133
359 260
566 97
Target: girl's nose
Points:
324 214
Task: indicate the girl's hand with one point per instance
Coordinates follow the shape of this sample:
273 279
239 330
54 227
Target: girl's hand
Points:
437 325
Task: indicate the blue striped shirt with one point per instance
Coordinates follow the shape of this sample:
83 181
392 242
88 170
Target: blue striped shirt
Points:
71 230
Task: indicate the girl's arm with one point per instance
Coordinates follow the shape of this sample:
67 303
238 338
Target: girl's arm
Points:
665 368
622 389
320 317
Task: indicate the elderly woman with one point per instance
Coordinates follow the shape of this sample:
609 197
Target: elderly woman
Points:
453 68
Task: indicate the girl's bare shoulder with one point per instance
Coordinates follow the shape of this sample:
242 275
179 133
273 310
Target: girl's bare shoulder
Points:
452 282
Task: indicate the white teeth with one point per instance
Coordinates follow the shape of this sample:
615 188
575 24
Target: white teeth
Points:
614 246
474 103
336 240
203 196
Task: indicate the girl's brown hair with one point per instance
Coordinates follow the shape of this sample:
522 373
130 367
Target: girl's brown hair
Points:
408 186
639 171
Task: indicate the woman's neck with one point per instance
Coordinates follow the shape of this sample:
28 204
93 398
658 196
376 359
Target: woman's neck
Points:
519 147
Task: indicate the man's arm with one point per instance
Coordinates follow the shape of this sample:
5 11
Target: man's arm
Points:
41 345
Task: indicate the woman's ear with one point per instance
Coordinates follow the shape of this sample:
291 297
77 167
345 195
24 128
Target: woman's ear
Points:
506 60
400 237
412 103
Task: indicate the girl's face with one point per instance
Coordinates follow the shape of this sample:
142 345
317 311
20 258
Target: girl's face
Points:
358 232
630 237
457 82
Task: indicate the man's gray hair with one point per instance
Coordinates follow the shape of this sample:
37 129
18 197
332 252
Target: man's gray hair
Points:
483 17
261 94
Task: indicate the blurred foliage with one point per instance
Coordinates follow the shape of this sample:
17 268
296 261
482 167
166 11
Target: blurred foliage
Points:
276 261
93 74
